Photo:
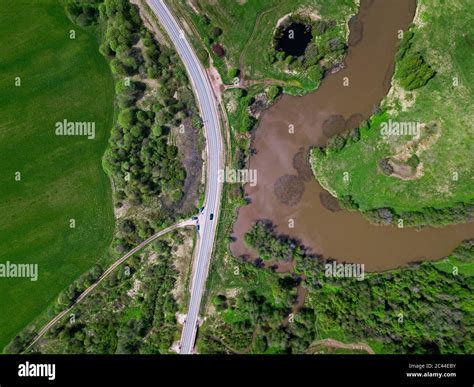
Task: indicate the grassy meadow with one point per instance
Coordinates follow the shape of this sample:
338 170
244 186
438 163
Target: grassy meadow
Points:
61 177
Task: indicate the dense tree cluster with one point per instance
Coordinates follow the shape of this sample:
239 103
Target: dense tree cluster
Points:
458 213
260 237
141 158
144 164
142 161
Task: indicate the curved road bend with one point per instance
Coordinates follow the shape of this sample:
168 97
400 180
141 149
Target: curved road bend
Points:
209 113
106 273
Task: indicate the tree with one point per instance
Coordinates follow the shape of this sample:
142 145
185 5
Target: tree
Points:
216 32
126 118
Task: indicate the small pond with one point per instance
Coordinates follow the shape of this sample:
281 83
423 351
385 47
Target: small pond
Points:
294 38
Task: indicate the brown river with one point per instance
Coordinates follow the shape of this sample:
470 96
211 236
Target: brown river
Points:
287 191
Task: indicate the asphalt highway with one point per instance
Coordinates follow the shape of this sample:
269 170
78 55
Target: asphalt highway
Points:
208 107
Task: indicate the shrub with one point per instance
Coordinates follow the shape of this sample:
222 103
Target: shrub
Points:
336 143
412 70
218 50
233 72
216 32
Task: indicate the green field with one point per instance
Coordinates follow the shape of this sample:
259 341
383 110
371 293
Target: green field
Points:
248 30
61 177
443 173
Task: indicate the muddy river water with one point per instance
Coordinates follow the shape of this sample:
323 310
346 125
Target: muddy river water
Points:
286 188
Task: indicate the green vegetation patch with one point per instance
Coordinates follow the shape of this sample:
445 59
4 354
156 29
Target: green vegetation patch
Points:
61 176
422 171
